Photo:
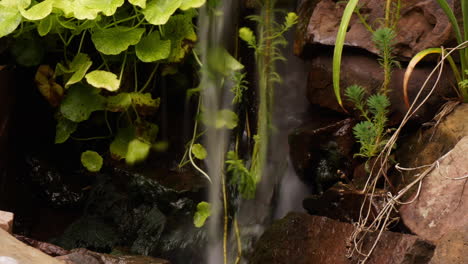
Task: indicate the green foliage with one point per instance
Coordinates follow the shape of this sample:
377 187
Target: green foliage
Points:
103 79
64 129
371 133
91 160
202 213
80 101
241 176
152 48
115 40
267 45
199 151
384 39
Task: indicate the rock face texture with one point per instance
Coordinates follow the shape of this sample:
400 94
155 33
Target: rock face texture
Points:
305 239
452 248
12 251
6 221
83 256
442 204
422 25
366 72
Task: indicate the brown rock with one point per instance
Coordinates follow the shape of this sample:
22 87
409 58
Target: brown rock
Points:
321 153
343 202
49 249
452 248
16 252
6 221
442 203
366 72
422 25
83 256
305 239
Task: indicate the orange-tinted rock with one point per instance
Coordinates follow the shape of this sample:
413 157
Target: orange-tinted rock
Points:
422 25
367 72
305 239
442 204
6 221
452 248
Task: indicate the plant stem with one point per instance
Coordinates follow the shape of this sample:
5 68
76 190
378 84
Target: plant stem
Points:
150 78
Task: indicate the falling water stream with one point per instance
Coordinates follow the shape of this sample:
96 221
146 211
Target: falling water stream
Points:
279 191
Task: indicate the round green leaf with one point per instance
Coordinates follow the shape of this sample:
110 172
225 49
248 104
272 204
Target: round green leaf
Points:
45 25
140 3
107 7
137 151
38 11
199 151
22 4
151 48
103 79
80 101
10 18
158 12
114 40
119 147
91 160
202 213
187 4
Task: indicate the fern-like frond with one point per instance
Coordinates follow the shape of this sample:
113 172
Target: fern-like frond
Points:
378 104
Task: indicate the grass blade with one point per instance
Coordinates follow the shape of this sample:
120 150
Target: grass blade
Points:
415 60
340 38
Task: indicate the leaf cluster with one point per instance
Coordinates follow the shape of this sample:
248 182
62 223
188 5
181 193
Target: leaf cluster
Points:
372 132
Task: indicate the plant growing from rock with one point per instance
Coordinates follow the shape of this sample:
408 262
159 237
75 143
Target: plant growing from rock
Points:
99 43
460 71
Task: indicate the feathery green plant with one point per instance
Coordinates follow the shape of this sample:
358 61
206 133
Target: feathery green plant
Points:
372 132
267 46
384 39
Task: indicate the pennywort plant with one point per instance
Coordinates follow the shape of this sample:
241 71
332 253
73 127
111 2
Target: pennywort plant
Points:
460 71
102 48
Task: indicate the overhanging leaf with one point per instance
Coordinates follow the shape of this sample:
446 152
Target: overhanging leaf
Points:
103 79
137 151
179 29
202 213
140 3
114 40
45 25
118 147
38 11
199 151
64 129
47 86
187 4
107 7
119 102
220 61
158 12
10 18
151 48
146 131
91 160
80 101
144 103
79 66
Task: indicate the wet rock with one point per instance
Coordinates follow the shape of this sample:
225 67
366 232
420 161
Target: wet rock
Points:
343 202
129 209
366 72
60 189
452 247
305 239
422 25
6 221
320 154
12 251
442 202
49 249
83 256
